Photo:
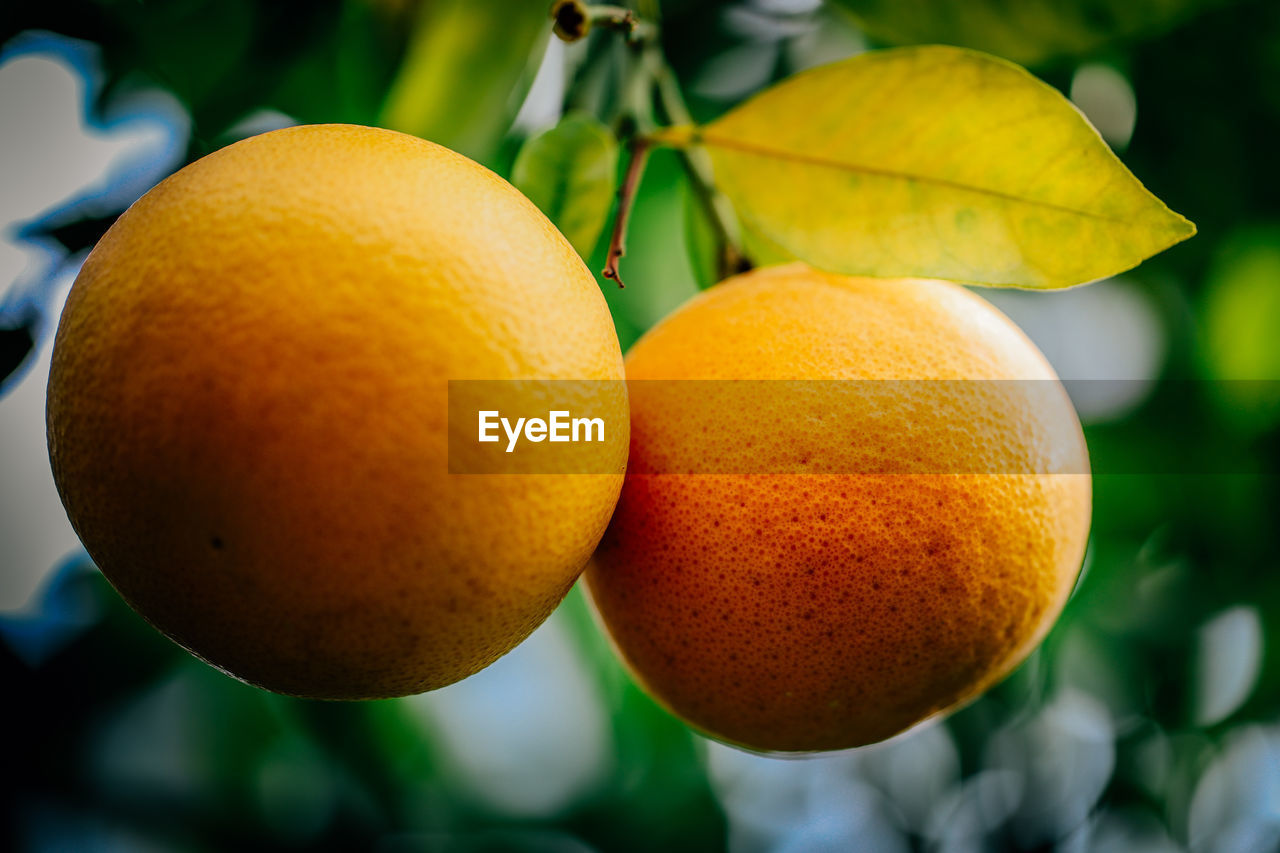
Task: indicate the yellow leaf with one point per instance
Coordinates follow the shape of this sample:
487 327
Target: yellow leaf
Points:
935 162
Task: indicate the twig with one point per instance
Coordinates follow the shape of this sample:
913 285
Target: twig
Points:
626 200
650 78
574 19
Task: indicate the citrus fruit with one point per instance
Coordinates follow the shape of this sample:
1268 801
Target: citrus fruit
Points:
247 411
825 557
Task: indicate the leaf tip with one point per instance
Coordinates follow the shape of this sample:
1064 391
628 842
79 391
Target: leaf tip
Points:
1179 227
1188 227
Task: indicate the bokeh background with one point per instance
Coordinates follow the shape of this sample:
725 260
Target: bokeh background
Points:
1150 719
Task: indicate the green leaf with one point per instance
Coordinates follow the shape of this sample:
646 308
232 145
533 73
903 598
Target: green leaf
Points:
571 173
467 69
704 247
1028 31
700 239
934 162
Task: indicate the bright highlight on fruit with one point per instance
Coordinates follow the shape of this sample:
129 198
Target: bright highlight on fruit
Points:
248 411
815 611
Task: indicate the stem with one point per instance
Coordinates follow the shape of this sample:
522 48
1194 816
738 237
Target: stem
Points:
697 164
639 149
650 78
574 19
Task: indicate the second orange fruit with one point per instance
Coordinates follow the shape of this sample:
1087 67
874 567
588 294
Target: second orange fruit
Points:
823 562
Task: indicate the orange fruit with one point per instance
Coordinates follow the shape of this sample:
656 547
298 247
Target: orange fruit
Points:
247 411
821 563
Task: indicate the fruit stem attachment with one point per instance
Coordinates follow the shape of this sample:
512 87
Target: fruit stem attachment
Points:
639 153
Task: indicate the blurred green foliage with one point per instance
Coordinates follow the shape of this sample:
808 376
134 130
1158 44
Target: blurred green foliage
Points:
1029 32
1147 720
329 60
467 68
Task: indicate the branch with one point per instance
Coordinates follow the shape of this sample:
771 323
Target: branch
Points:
626 200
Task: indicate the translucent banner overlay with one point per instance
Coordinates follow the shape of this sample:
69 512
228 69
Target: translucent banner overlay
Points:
822 427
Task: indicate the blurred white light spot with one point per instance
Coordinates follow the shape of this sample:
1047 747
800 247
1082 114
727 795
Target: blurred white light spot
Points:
843 818
1236 805
1104 95
1065 753
151 746
975 809
543 105
19 261
1153 763
49 155
916 770
804 803
832 38
737 72
769 21
528 734
762 796
260 121
788 7
1106 340
33 525
1227 663
1131 832
1084 662
52 157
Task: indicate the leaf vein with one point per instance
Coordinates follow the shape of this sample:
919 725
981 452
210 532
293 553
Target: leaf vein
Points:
809 159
